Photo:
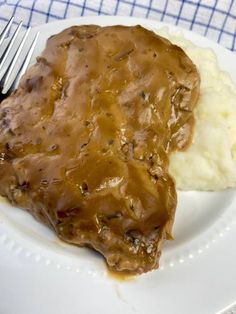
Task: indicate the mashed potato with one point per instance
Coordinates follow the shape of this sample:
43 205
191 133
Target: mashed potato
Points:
210 162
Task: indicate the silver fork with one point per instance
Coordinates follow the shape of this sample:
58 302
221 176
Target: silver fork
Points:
13 60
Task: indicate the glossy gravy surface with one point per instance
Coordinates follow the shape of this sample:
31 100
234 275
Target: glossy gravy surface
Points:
85 139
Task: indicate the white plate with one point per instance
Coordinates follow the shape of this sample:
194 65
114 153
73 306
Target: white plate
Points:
40 274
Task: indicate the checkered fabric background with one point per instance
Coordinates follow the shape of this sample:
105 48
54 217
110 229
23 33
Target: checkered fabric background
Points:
215 19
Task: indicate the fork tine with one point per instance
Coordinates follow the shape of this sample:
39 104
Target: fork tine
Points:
23 67
9 78
5 30
3 64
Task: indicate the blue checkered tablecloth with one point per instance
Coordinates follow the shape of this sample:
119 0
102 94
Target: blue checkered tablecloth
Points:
215 19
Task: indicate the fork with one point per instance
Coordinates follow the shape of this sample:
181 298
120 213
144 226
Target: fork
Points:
13 60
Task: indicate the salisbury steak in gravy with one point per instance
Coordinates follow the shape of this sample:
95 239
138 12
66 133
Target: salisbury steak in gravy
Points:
84 141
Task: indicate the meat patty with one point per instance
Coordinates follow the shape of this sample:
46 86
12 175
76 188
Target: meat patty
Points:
84 141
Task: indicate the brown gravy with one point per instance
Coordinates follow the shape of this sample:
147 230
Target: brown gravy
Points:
84 141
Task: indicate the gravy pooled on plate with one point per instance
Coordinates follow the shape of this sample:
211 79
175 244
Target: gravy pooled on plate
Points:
84 141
